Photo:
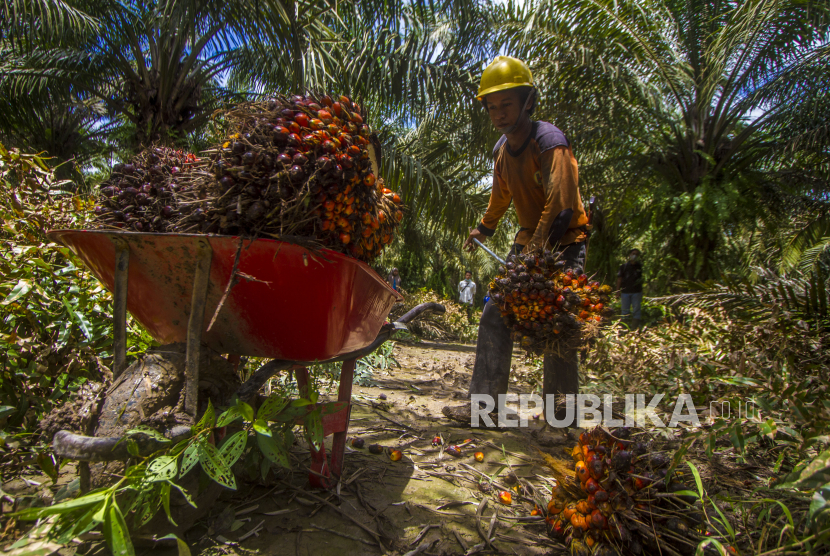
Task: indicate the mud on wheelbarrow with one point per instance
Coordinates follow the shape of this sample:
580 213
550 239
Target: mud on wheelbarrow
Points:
259 298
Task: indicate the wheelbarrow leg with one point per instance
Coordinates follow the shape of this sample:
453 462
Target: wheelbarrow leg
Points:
344 394
195 323
119 302
119 326
320 475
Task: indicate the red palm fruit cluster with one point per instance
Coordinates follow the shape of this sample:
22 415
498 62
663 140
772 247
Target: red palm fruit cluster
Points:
302 166
612 491
143 194
543 302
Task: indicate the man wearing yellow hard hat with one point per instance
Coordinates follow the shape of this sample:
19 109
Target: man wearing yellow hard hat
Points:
534 167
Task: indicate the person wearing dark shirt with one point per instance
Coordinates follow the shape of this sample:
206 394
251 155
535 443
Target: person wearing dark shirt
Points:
394 280
535 170
630 284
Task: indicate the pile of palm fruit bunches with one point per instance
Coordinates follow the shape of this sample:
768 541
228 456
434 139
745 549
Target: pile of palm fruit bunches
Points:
299 167
544 303
143 195
614 502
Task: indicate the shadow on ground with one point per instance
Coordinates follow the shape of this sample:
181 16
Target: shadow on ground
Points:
429 501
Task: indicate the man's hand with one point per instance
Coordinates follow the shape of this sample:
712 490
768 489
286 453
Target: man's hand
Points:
474 234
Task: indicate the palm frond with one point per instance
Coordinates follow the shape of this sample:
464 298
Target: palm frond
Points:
804 296
31 23
807 240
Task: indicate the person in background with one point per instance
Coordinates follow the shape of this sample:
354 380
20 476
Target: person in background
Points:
394 280
467 292
630 284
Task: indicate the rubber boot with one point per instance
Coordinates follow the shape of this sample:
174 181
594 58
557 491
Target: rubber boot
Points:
561 376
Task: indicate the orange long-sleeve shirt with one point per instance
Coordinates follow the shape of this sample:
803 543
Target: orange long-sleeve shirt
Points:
542 180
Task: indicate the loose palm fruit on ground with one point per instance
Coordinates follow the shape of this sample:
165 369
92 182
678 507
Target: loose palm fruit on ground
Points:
479 456
376 449
505 497
395 455
454 451
358 443
603 503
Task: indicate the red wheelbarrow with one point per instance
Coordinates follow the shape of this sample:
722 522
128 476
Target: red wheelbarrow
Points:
262 298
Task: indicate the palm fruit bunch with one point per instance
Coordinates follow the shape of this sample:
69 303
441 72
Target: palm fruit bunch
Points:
144 194
607 504
544 303
303 167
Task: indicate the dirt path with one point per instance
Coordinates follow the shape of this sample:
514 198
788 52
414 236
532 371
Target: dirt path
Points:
400 501
429 502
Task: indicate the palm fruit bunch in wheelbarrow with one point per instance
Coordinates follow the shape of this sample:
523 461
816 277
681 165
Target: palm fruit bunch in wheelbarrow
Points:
616 499
304 166
545 304
144 194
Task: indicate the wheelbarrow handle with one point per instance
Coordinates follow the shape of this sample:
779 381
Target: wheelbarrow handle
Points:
86 448
417 311
248 390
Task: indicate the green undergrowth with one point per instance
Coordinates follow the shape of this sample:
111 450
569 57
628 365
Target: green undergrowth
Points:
258 440
55 317
754 359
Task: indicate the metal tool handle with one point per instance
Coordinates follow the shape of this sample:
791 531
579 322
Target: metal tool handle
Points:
489 252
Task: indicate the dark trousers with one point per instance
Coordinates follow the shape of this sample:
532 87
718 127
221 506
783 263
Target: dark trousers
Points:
494 349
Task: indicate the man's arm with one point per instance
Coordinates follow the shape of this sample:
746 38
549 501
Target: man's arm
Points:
500 198
560 179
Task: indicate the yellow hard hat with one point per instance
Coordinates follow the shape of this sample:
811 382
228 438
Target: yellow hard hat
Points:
504 73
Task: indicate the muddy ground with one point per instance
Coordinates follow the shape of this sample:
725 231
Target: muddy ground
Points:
429 502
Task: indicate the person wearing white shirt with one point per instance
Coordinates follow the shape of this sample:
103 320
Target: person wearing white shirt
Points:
467 292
